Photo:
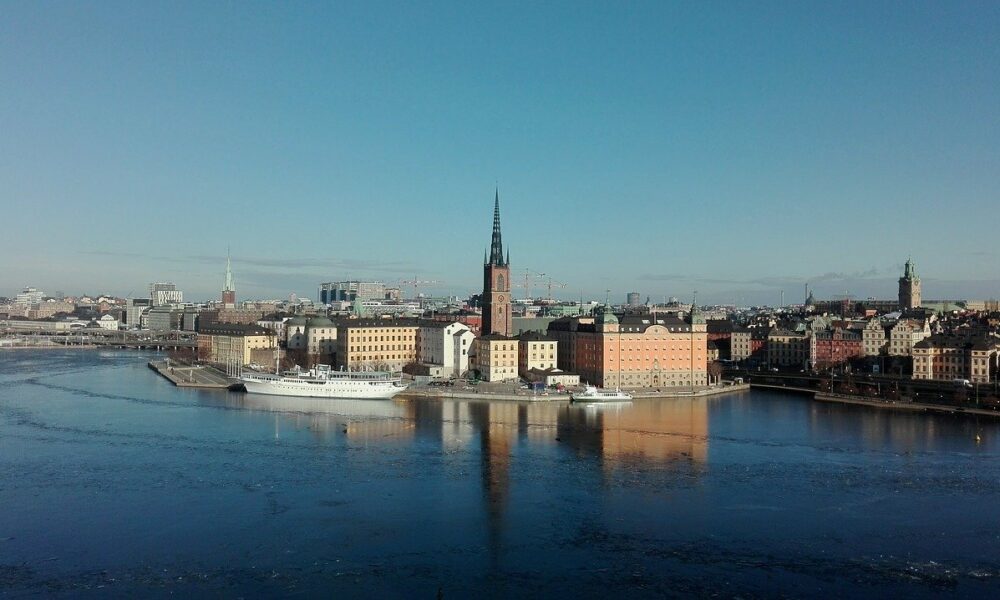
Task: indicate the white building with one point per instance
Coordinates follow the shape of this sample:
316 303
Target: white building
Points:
446 345
321 336
295 333
905 334
108 322
165 294
29 296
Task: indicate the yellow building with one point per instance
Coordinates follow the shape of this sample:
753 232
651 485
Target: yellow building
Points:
494 357
535 351
946 357
235 345
384 344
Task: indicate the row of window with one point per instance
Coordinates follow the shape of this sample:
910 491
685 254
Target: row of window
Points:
382 338
381 348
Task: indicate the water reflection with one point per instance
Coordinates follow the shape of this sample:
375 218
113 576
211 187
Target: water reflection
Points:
650 430
645 430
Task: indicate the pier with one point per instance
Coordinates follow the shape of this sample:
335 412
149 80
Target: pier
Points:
191 376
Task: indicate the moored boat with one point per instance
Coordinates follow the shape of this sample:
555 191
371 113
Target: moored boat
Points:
323 382
594 394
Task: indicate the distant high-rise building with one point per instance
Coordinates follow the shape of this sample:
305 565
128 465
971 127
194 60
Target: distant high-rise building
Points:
135 309
163 294
497 317
633 299
229 290
909 287
349 291
29 296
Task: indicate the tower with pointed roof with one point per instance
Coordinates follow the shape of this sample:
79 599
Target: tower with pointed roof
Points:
497 317
229 289
909 287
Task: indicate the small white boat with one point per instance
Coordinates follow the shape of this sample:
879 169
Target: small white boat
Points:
593 394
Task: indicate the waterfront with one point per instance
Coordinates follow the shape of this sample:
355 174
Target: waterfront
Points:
113 479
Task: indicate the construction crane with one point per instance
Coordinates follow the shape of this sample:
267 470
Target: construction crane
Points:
529 275
554 284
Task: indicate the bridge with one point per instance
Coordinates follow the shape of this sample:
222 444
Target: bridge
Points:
145 340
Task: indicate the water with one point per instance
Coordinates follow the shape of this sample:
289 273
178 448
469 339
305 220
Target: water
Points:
114 481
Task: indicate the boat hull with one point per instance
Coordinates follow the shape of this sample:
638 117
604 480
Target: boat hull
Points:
335 389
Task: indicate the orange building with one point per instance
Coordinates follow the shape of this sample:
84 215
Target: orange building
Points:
639 351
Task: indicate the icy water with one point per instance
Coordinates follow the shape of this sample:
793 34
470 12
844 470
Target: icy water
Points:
115 483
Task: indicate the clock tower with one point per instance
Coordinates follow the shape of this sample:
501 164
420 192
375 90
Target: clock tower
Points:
496 282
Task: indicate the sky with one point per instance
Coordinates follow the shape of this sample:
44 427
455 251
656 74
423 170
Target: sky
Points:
739 149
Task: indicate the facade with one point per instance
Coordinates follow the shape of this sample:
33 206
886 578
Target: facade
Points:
163 294
107 322
909 287
905 334
235 345
164 318
494 357
633 299
29 296
787 348
349 291
295 333
552 377
535 352
385 344
837 346
720 333
321 336
949 356
445 345
874 339
650 351
134 310
739 344
565 332
497 316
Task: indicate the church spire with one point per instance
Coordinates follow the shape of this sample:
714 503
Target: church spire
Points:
229 274
496 245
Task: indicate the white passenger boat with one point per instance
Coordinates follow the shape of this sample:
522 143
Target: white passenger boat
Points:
323 382
593 394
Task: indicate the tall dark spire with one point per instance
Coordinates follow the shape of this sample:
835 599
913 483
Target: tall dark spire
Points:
496 246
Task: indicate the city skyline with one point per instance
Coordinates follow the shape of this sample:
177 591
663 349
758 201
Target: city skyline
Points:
658 148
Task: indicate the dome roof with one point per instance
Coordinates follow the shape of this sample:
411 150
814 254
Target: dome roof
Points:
296 321
319 322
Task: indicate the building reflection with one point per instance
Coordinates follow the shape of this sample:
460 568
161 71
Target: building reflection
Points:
643 431
665 432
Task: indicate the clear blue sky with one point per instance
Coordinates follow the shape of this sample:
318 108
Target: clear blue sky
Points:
734 148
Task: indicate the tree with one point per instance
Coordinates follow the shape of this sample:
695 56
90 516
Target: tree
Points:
714 371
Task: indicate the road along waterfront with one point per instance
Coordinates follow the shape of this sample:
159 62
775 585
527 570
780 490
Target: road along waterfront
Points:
114 480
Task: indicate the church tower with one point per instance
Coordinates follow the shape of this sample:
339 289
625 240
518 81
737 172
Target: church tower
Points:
497 317
909 287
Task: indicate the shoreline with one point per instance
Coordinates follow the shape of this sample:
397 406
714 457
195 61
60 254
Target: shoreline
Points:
557 397
52 347
903 405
